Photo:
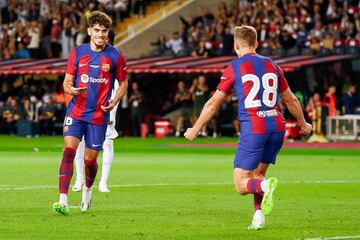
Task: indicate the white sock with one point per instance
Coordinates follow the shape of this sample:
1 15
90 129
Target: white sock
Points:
258 217
108 157
264 185
79 161
63 199
258 213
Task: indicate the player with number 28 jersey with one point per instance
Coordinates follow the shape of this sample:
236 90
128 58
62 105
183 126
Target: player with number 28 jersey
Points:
257 81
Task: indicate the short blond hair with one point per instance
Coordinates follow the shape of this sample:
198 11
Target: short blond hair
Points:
247 35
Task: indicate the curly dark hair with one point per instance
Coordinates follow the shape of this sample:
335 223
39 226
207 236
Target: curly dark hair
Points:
100 18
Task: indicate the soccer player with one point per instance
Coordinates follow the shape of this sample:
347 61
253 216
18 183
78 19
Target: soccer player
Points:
258 81
91 72
107 155
108 147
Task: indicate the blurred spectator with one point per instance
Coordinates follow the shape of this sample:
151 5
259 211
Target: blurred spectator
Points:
176 44
28 111
330 101
67 38
81 29
46 116
11 114
22 52
287 41
349 100
302 36
206 18
161 49
313 103
189 45
227 42
34 34
200 94
201 50
122 8
328 43
46 35
183 97
136 108
140 8
56 38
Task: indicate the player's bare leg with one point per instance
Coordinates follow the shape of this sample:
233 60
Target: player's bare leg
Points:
79 166
258 220
91 168
245 182
66 172
241 177
108 157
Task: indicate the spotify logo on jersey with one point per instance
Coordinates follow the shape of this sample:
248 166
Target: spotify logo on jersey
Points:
85 79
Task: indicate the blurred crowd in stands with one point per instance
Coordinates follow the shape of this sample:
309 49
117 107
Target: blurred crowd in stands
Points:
51 28
285 27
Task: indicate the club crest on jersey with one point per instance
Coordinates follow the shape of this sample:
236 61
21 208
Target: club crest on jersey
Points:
84 78
66 128
105 67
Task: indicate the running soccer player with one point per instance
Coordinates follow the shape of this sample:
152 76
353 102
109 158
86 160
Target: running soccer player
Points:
258 81
91 72
107 155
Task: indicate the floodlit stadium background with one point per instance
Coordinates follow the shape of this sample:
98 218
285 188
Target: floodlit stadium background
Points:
162 187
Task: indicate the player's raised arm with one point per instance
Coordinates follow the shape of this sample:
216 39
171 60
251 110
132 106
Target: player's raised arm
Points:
207 113
293 104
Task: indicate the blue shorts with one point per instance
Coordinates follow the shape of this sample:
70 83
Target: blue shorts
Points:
94 135
256 148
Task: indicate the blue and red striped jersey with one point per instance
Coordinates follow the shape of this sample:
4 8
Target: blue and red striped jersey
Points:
257 81
97 71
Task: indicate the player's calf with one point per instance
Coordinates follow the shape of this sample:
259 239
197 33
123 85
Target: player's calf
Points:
91 168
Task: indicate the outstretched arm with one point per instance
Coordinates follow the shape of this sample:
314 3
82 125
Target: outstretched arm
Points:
207 113
292 103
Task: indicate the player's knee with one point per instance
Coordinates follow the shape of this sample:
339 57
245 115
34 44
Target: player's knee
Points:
240 189
259 174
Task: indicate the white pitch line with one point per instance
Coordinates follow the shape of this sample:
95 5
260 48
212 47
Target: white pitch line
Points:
41 187
334 238
321 181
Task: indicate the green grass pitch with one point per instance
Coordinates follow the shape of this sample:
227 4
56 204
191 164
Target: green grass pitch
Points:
163 191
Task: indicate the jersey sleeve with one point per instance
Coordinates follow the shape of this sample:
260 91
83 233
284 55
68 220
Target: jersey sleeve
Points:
226 80
121 71
71 66
283 84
